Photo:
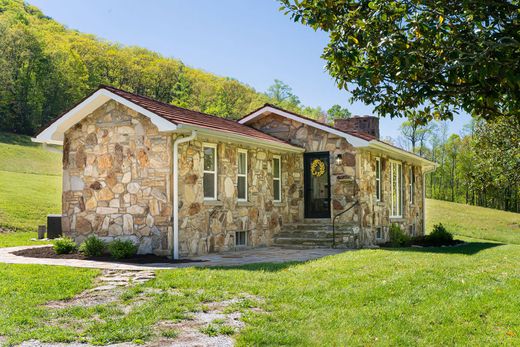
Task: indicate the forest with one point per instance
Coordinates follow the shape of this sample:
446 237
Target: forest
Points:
45 68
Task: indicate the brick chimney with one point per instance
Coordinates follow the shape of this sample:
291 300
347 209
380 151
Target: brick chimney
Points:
364 124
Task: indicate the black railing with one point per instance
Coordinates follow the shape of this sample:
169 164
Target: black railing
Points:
334 222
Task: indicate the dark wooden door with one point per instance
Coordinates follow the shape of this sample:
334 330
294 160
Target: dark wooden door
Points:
316 184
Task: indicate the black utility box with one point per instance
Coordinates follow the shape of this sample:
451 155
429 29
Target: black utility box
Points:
54 226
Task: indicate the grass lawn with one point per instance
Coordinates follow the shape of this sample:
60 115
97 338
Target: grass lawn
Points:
30 183
474 221
466 295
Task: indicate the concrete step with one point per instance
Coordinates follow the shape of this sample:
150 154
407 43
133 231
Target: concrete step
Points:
311 234
305 242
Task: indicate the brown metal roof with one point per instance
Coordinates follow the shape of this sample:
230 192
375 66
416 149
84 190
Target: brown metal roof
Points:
179 115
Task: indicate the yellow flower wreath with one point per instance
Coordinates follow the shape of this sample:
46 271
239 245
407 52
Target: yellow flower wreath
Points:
317 168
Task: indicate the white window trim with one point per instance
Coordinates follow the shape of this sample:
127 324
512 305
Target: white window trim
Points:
215 172
240 150
398 187
378 180
279 179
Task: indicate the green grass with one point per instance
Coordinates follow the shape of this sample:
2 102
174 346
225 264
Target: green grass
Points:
473 221
30 183
24 288
465 295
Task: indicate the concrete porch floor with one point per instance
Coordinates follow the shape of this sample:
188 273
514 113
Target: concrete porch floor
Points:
230 258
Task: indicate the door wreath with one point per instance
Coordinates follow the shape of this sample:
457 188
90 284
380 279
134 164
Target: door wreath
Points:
317 168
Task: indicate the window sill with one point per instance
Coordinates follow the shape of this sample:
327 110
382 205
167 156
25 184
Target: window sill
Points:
213 203
244 204
397 219
380 203
278 204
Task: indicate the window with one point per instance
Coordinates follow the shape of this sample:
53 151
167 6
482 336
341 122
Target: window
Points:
277 179
240 238
412 185
379 233
396 182
378 179
210 172
242 175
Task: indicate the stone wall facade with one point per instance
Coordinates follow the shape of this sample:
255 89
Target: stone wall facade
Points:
117 183
210 226
353 180
116 179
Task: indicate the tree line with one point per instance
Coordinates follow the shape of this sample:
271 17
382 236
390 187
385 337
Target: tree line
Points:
480 166
46 68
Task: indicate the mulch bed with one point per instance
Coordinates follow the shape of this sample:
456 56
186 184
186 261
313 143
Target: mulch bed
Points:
48 252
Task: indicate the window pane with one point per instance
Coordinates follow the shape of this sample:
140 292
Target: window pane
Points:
276 168
241 187
240 238
276 190
241 163
209 185
209 159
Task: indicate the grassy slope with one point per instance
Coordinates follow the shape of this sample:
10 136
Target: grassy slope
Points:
30 183
474 221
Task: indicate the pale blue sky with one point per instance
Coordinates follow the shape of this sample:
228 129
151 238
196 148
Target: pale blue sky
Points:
251 41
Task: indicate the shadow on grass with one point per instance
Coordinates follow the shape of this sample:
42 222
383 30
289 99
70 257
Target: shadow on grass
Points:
469 248
267 267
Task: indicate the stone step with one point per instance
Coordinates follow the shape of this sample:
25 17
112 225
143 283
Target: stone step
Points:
316 227
312 234
305 241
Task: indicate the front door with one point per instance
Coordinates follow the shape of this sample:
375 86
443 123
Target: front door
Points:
316 184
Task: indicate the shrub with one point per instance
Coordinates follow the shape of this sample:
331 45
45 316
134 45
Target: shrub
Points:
439 236
397 236
92 247
64 245
120 249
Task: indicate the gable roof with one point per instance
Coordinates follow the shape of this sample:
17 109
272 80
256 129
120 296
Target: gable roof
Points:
167 118
355 138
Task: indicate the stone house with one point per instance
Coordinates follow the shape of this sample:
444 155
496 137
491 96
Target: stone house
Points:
180 182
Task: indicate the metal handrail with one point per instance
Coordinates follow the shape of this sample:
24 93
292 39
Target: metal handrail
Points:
334 223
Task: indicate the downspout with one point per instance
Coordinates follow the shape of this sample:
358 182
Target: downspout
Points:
175 209
427 171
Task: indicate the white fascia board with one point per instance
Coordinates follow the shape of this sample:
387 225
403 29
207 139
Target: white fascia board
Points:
54 133
353 140
397 153
241 139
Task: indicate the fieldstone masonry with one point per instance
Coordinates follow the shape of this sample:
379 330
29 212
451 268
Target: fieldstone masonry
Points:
116 179
117 184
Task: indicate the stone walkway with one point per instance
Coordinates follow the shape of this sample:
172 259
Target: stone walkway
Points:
232 258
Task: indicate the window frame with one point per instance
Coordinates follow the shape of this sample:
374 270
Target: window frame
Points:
379 230
378 179
242 151
278 180
399 187
215 172
245 238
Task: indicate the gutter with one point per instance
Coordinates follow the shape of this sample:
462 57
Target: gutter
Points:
244 139
175 198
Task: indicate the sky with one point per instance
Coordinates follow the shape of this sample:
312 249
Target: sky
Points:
251 41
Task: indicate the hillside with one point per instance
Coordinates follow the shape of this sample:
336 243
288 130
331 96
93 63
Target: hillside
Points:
474 221
30 183
46 68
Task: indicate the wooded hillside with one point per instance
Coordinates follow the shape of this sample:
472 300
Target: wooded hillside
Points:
45 68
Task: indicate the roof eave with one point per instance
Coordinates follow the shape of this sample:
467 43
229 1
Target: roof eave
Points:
54 133
243 139
426 164
353 140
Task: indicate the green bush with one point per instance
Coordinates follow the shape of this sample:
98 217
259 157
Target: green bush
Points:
64 245
439 236
398 238
120 249
92 247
